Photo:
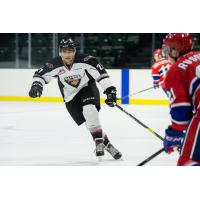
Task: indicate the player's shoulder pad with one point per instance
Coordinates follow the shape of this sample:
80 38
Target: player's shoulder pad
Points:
94 62
54 63
88 59
155 65
160 62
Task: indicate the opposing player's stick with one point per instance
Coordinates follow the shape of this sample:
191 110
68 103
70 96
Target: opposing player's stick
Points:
139 122
149 129
125 97
151 157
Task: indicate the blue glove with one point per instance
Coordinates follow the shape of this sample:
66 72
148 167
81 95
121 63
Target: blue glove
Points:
173 140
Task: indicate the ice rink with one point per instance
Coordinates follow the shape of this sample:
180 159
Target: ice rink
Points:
44 134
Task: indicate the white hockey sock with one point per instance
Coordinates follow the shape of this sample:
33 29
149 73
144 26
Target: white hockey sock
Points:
92 117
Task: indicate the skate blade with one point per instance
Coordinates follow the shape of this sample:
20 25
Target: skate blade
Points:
100 158
118 156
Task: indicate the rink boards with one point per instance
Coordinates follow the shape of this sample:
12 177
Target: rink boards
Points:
15 85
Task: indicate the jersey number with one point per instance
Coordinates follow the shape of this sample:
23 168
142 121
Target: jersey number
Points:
40 70
100 67
171 95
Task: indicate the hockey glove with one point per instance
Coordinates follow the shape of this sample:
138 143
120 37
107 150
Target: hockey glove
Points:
111 96
36 89
173 140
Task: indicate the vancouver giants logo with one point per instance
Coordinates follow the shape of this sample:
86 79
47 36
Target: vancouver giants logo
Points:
73 80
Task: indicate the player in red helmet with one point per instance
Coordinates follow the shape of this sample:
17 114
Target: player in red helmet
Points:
159 69
182 84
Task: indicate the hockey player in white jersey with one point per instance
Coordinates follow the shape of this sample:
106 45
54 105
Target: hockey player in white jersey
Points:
77 75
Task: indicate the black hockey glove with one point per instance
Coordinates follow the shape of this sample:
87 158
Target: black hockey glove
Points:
36 89
111 96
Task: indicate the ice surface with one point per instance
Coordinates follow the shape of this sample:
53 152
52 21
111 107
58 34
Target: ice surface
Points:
45 134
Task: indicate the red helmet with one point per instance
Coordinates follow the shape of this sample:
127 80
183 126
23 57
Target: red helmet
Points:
182 42
158 52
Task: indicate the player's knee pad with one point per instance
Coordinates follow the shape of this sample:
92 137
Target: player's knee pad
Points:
92 117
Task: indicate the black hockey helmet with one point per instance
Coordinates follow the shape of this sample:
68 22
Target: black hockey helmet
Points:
67 44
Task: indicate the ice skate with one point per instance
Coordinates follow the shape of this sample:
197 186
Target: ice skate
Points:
113 151
99 147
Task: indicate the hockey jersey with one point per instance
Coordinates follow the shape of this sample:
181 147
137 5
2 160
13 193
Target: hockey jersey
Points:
84 71
159 70
183 88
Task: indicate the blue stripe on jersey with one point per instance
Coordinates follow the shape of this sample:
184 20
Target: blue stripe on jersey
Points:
195 85
125 85
196 153
155 78
181 113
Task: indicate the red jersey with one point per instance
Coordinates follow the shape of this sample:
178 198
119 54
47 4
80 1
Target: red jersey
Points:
159 70
182 84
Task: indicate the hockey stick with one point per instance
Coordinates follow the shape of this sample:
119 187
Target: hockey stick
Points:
149 129
139 122
151 157
125 97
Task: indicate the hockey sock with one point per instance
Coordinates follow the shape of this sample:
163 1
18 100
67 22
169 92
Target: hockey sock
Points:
91 118
106 140
97 134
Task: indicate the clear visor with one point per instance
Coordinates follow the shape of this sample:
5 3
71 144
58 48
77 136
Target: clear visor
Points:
165 50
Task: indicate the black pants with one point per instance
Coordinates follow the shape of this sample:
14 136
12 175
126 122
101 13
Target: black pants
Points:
87 95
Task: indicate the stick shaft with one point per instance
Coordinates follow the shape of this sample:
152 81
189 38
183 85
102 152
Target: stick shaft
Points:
151 157
125 97
139 122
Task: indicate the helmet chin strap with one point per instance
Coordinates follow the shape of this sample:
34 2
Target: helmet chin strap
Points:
173 58
172 54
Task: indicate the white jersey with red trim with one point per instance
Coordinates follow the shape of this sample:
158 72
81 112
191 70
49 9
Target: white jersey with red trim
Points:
182 84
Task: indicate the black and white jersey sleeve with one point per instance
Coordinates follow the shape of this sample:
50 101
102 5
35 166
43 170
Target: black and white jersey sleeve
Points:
48 72
98 72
